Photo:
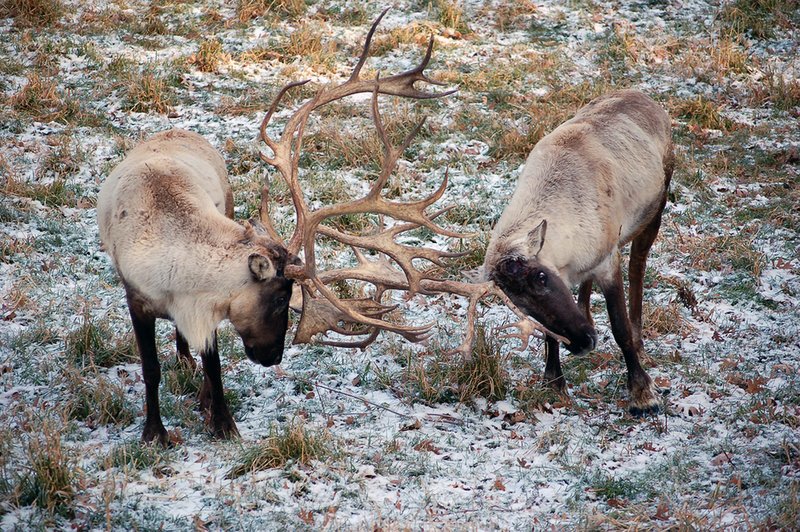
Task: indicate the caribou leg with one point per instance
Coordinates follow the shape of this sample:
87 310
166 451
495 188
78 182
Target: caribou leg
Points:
144 328
640 248
220 418
182 347
553 376
584 300
642 393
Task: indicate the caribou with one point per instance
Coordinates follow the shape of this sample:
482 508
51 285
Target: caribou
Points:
594 184
164 215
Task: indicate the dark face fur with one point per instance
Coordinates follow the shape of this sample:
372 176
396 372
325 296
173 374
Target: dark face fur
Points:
263 333
538 291
261 314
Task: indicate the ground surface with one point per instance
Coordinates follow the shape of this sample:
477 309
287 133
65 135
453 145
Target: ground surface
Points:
392 437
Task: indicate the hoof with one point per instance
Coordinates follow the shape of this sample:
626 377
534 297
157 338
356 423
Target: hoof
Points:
224 427
641 412
556 383
644 402
156 435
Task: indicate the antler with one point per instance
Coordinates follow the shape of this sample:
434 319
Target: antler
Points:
322 310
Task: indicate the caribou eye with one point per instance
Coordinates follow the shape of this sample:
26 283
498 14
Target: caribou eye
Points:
541 278
280 301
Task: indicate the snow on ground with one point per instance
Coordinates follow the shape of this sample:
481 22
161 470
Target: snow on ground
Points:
722 288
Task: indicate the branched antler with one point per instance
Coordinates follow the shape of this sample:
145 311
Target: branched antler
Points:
393 267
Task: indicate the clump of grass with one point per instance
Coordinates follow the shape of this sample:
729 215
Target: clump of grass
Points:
247 10
53 479
700 112
717 253
781 91
135 456
181 377
451 15
62 160
95 343
55 193
414 33
758 18
306 42
512 15
33 13
209 56
293 443
485 375
147 92
96 400
40 99
437 378
663 319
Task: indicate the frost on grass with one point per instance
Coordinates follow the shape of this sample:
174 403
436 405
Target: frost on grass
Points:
402 435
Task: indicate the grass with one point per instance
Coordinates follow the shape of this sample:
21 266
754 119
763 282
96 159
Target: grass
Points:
293 443
147 92
96 400
51 479
209 56
758 18
33 13
136 456
96 344
247 10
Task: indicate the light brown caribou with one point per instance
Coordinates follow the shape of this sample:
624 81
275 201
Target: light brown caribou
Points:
164 215
591 186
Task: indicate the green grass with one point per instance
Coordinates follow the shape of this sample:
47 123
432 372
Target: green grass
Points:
293 443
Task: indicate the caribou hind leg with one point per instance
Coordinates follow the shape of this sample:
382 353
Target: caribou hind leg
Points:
643 399
584 300
640 248
182 348
219 416
144 328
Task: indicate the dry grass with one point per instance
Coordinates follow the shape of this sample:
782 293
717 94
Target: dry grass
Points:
758 18
700 112
96 400
306 42
209 56
147 92
247 10
33 13
658 320
53 479
451 15
294 443
778 88
41 99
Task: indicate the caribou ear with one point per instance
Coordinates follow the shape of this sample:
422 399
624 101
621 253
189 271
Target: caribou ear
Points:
536 237
261 267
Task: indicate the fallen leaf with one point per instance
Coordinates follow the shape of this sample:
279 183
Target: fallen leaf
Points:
498 484
416 425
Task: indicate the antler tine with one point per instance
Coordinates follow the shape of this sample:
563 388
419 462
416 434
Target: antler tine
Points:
266 219
272 108
354 76
402 84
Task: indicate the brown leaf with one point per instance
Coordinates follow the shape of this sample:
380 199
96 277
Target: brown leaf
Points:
617 503
498 484
306 516
427 445
416 425
662 512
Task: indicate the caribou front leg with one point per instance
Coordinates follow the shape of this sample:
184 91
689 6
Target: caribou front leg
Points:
144 328
219 416
553 376
643 400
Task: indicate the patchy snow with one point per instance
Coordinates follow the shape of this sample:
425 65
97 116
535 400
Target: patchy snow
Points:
719 457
